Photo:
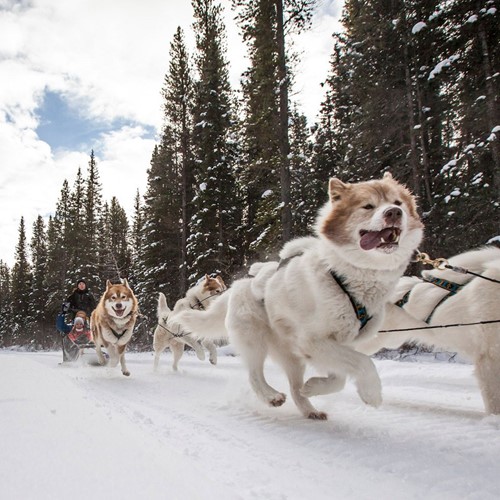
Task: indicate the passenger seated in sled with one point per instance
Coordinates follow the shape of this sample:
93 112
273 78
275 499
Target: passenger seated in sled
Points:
75 335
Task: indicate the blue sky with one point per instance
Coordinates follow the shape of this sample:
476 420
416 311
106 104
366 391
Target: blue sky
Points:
87 75
64 127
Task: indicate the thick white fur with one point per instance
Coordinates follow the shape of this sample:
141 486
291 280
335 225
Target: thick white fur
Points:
479 300
167 324
299 315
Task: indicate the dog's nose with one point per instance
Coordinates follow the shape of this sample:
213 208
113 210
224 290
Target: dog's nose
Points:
118 305
393 215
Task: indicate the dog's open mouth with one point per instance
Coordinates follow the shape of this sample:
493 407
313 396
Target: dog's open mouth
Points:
385 239
119 312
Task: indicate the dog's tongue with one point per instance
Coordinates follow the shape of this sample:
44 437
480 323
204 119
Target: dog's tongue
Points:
373 239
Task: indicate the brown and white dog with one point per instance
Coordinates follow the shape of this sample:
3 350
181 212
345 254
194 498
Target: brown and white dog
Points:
327 293
168 331
112 323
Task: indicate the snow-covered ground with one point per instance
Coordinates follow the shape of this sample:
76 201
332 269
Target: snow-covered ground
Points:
79 432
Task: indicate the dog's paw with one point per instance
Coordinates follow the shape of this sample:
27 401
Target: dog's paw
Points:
371 395
278 400
317 415
126 373
317 386
213 360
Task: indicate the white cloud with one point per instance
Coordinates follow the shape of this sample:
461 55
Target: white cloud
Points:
108 59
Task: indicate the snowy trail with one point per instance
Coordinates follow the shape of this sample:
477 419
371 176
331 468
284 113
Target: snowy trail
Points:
201 433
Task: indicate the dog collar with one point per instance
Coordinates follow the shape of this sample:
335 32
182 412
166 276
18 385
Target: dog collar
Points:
359 309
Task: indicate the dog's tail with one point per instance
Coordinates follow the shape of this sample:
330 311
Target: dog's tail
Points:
208 323
162 305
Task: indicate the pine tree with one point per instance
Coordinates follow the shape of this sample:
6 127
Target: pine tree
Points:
178 95
38 295
215 237
6 324
90 264
160 253
116 255
21 291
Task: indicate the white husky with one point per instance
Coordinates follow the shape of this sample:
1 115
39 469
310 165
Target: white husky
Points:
168 332
451 298
327 291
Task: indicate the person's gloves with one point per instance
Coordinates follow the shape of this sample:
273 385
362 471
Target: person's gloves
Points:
65 307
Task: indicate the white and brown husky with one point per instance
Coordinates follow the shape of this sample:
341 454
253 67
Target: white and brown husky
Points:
327 292
112 323
168 332
444 297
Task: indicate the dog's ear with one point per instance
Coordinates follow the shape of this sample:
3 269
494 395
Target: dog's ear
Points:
336 189
108 285
387 175
207 278
125 282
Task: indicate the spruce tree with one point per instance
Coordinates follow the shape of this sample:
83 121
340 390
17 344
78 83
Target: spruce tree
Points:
178 95
6 323
21 291
214 242
92 260
38 296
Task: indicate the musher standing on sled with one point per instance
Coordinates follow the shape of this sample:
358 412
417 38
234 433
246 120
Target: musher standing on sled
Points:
81 299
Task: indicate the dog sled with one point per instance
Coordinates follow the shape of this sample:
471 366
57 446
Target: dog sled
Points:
76 338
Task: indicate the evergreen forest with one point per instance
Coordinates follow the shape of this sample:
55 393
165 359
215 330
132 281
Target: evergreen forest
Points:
412 88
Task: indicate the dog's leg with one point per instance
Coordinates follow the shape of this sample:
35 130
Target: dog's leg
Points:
212 351
487 370
317 386
177 349
200 353
254 354
329 354
121 355
295 370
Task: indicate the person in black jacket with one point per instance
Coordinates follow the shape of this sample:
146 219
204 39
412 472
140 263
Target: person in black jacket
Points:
81 299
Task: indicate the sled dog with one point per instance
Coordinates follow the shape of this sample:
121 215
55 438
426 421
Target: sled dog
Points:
326 292
168 332
112 323
446 297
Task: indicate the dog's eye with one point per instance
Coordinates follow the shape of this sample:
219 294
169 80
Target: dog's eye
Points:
398 202
369 206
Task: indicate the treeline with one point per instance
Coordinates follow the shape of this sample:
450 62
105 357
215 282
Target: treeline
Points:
412 88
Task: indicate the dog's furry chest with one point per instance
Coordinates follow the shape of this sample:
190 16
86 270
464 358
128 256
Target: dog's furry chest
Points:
306 302
117 334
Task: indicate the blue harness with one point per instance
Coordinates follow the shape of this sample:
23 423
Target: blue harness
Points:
359 309
449 286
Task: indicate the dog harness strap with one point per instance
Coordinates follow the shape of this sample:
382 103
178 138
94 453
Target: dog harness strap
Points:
118 335
449 286
404 299
359 309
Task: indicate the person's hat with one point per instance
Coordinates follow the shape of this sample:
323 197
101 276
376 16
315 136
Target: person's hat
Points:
79 321
81 280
